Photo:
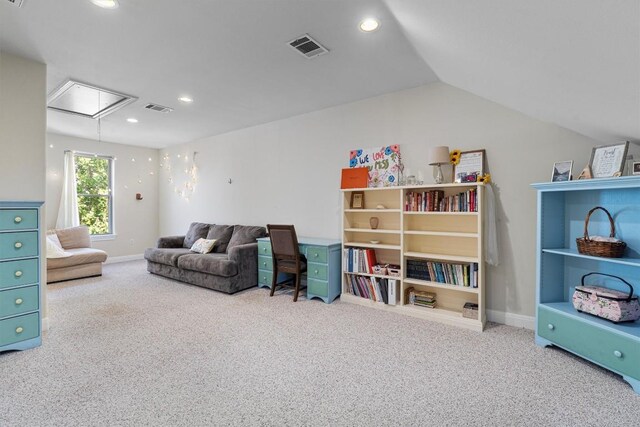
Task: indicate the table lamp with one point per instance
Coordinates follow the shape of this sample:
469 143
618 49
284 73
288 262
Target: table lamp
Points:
438 156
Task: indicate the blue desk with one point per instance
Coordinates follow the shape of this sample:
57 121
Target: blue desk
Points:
323 266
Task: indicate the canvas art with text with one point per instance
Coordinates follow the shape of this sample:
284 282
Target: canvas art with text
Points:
383 164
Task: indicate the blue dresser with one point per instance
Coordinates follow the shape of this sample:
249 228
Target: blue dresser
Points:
323 266
562 207
20 303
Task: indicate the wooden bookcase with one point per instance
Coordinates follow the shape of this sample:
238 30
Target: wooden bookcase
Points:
444 237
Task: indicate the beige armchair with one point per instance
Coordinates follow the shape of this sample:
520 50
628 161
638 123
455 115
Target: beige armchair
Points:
81 260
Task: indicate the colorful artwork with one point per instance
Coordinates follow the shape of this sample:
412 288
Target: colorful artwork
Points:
383 164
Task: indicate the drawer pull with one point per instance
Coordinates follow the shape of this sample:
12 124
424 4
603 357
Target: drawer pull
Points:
264 278
19 301
618 354
17 219
315 255
315 272
551 327
264 263
264 249
18 273
19 330
17 245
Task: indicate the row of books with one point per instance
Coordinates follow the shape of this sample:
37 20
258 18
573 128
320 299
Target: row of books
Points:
443 272
436 201
421 298
378 290
359 260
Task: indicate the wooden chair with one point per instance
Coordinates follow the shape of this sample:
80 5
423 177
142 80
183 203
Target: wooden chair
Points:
286 257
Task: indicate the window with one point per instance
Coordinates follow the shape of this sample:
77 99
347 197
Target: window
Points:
94 184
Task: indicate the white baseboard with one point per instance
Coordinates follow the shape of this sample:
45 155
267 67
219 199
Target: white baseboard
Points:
45 324
124 258
511 319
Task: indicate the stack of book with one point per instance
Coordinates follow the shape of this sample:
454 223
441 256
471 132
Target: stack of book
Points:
359 260
422 299
436 201
378 290
443 272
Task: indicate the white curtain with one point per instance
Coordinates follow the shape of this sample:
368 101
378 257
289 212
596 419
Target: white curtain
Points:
68 212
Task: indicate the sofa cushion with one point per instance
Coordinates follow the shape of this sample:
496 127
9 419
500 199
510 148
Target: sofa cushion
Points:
216 264
79 256
74 237
222 235
168 256
243 234
197 230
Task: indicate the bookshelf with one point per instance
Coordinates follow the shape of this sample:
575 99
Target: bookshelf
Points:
562 207
428 238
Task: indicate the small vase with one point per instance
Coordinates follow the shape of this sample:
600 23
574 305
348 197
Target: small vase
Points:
373 222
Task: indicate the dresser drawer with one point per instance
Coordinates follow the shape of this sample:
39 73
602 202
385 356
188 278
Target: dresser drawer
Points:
317 254
18 301
317 271
317 287
614 351
18 219
21 328
265 277
18 245
18 273
264 248
265 263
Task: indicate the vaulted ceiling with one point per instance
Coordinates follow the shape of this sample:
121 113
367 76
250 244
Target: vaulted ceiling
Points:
571 62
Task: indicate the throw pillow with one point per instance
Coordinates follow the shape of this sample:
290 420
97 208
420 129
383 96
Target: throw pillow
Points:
203 246
54 250
222 233
51 234
244 234
197 230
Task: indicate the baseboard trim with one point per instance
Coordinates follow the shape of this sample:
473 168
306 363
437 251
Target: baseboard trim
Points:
45 324
511 319
124 258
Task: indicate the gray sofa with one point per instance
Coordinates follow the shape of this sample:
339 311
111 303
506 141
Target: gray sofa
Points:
230 268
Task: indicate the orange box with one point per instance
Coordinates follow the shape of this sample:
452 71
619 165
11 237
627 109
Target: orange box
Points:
355 178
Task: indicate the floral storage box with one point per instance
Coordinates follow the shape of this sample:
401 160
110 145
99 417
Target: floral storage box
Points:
607 303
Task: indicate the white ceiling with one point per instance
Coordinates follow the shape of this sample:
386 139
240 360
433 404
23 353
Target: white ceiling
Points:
571 62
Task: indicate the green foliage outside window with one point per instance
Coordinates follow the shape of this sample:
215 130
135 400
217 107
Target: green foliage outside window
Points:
93 183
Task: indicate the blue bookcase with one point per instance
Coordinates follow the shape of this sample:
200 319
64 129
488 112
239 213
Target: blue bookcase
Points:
562 208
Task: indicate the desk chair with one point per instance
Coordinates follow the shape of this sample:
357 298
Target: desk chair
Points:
286 257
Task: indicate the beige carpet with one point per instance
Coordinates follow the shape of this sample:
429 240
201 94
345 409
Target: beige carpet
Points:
135 349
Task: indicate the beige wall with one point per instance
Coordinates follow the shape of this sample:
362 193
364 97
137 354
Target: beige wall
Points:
23 123
135 222
289 171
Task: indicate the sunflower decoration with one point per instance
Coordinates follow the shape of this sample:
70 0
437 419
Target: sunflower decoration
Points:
484 179
454 157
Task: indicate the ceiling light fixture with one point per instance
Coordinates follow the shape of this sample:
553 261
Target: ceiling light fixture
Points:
106 4
132 120
369 24
185 99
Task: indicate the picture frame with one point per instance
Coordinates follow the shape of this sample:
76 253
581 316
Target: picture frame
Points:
635 169
357 200
562 171
608 161
470 166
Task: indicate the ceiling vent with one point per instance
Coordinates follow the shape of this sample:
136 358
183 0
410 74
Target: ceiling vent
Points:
160 108
308 47
16 2
86 100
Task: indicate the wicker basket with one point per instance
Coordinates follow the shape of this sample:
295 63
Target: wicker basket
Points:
586 246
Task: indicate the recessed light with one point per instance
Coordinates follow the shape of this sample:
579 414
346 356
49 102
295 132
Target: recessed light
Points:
368 25
185 99
106 4
132 120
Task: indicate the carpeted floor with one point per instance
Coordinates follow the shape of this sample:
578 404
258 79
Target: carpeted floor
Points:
135 349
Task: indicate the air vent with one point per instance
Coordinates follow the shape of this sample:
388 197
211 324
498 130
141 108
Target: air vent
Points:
308 47
16 2
86 100
160 108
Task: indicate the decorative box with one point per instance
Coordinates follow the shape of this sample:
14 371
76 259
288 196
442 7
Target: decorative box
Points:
470 310
606 303
380 269
393 270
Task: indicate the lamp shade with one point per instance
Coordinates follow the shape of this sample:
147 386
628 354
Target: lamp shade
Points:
438 155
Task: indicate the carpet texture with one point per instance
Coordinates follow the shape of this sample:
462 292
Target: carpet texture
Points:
135 349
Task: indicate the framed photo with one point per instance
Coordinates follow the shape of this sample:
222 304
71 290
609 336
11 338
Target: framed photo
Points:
357 200
562 171
470 166
608 160
636 168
